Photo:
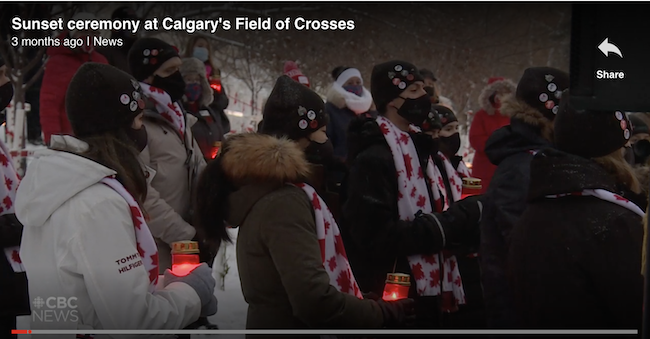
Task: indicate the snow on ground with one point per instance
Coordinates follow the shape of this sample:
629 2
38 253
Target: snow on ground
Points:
232 307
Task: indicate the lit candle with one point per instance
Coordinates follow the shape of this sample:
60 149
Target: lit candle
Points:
397 286
471 186
185 257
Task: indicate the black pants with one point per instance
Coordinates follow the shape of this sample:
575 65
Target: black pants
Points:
7 323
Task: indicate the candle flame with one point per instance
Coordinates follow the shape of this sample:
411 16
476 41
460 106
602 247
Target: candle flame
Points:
182 270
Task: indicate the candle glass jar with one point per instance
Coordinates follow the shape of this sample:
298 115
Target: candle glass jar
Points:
471 186
397 286
185 257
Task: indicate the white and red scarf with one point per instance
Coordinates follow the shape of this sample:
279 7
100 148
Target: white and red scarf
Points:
335 260
413 196
169 110
606 196
8 189
453 177
463 171
145 242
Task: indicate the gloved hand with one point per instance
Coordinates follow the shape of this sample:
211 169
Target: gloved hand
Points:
398 313
461 221
201 280
371 296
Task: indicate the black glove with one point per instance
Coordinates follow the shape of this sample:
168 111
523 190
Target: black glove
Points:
398 313
461 222
371 296
11 230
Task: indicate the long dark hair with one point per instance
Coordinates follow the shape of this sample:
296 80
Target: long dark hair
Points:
115 151
211 201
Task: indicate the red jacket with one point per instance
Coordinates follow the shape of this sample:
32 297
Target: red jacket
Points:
61 65
482 128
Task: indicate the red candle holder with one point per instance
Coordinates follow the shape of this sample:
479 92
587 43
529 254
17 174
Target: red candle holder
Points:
397 286
185 257
471 186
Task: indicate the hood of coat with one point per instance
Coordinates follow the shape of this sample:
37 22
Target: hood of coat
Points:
54 177
515 138
341 98
259 164
195 66
502 86
556 172
642 173
519 110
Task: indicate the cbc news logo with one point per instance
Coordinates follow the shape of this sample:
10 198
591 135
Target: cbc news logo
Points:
55 309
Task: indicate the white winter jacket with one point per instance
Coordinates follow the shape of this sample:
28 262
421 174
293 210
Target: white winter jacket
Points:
78 238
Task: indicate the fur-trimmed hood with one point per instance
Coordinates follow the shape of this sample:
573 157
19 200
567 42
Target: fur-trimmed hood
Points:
258 158
195 66
517 109
340 98
501 86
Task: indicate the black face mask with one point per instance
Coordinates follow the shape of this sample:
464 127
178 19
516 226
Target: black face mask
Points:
6 93
450 145
416 110
320 154
174 85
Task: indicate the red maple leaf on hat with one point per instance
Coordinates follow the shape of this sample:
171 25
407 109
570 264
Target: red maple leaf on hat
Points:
421 201
316 202
8 183
435 278
4 160
619 198
136 216
331 262
384 128
430 259
414 191
409 166
156 90
417 271
344 281
7 202
404 138
16 257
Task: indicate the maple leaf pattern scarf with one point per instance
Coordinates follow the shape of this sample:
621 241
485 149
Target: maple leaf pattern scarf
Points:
169 110
8 188
145 243
606 196
413 196
332 251
463 171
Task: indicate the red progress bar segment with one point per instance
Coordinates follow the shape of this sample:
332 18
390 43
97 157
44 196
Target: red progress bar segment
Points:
21 331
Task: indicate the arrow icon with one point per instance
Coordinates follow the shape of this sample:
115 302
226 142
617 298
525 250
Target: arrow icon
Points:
606 47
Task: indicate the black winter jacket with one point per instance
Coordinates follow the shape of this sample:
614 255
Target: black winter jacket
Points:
14 299
575 261
508 148
375 238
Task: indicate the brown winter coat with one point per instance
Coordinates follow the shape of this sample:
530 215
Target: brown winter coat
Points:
177 165
278 254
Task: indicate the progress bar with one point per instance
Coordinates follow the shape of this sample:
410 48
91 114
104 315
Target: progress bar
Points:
336 332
